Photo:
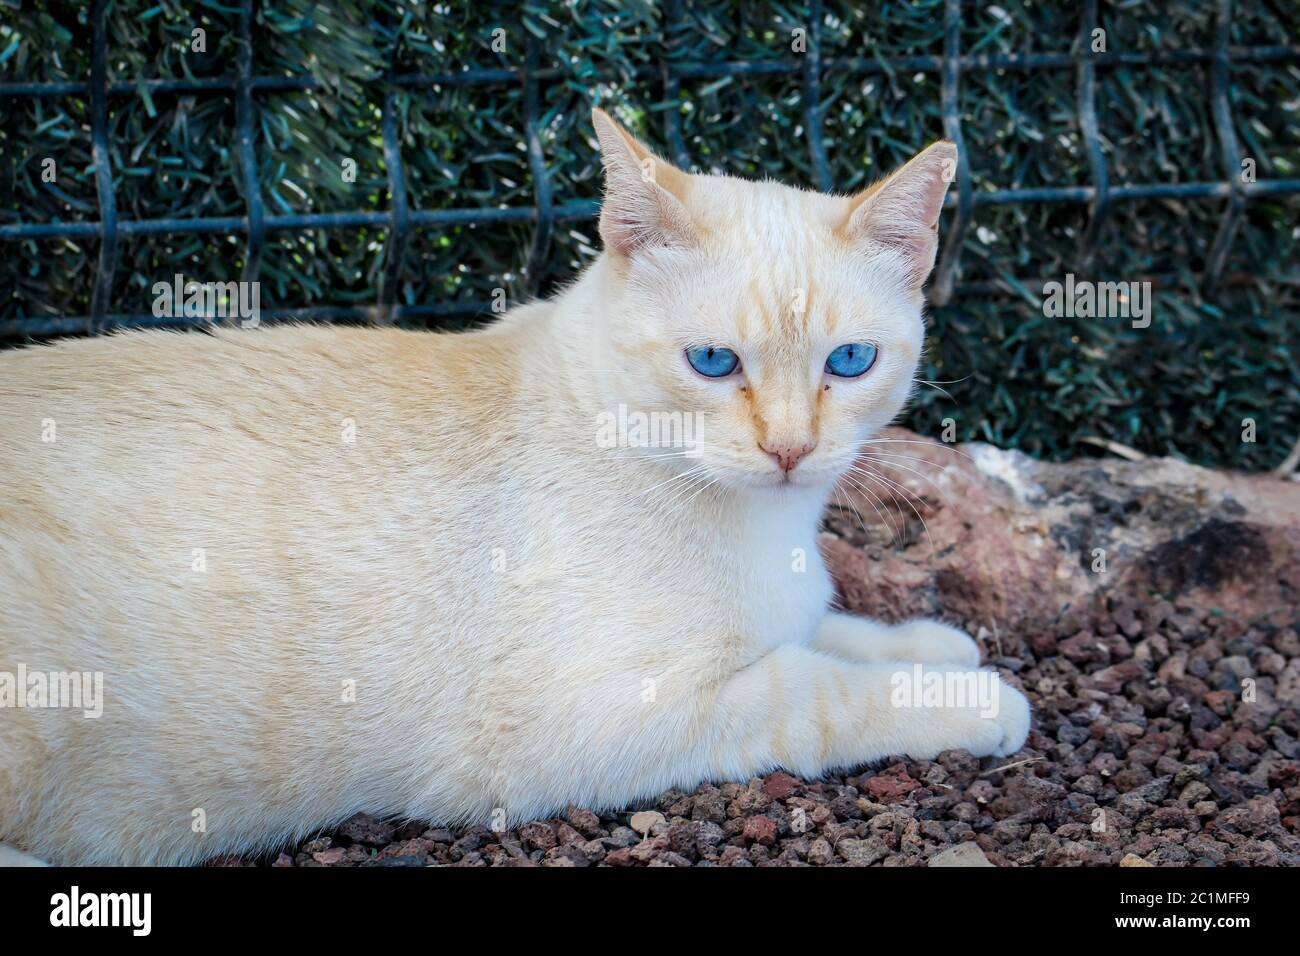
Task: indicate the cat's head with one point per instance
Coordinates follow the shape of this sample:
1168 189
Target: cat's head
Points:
788 322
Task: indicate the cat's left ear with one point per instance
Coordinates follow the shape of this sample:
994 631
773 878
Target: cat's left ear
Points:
644 195
900 214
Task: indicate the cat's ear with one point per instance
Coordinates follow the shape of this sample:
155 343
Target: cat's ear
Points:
644 194
900 214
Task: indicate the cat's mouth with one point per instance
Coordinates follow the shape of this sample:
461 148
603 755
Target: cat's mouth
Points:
793 478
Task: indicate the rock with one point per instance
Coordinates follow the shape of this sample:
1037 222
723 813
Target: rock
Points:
623 836
1111 679
330 857
760 829
395 860
538 836
565 856
753 799
820 853
620 857
363 828
646 820
1132 859
1288 685
1083 648
963 854
1014 539
891 784
734 856
584 821
650 848
568 835
710 805
861 852
779 786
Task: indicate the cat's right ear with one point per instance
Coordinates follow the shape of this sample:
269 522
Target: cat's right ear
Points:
644 194
899 216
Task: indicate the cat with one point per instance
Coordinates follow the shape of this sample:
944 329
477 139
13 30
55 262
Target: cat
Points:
324 570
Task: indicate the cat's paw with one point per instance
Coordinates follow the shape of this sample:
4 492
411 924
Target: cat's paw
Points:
1014 717
933 642
969 710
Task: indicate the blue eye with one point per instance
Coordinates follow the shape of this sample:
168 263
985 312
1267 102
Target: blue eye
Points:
712 362
850 361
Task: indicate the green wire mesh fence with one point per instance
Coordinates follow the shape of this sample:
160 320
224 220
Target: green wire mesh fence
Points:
545 214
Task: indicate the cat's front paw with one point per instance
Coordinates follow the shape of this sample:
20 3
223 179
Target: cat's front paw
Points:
971 710
1013 717
937 643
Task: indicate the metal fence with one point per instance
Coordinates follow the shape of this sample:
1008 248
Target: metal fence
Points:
545 213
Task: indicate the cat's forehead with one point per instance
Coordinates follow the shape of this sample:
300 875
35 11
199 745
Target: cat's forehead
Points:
776 265
782 302
764 215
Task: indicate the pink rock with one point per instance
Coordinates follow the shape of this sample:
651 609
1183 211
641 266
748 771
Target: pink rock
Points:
779 785
892 784
1011 540
760 829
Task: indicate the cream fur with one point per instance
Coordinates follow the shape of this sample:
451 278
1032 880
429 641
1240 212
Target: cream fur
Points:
530 620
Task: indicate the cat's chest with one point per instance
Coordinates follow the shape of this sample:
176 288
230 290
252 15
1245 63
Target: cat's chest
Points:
760 574
785 587
604 560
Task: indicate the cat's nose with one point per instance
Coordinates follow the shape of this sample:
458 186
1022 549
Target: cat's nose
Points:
787 454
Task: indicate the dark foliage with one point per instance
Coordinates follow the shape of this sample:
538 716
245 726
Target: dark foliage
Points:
1182 386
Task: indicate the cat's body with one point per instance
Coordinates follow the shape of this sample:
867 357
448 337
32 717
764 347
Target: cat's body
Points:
327 570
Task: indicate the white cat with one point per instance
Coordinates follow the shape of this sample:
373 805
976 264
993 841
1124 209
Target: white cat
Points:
445 576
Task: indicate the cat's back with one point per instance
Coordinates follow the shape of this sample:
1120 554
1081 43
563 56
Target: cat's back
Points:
162 399
255 462
141 375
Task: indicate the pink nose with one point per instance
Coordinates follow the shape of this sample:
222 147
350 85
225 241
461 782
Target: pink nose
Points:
786 455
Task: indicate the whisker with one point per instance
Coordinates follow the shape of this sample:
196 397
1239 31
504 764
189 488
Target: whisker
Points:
713 481
857 513
899 454
670 456
908 441
892 464
955 381
893 484
883 455
895 536
897 487
941 391
696 475
682 495
676 477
